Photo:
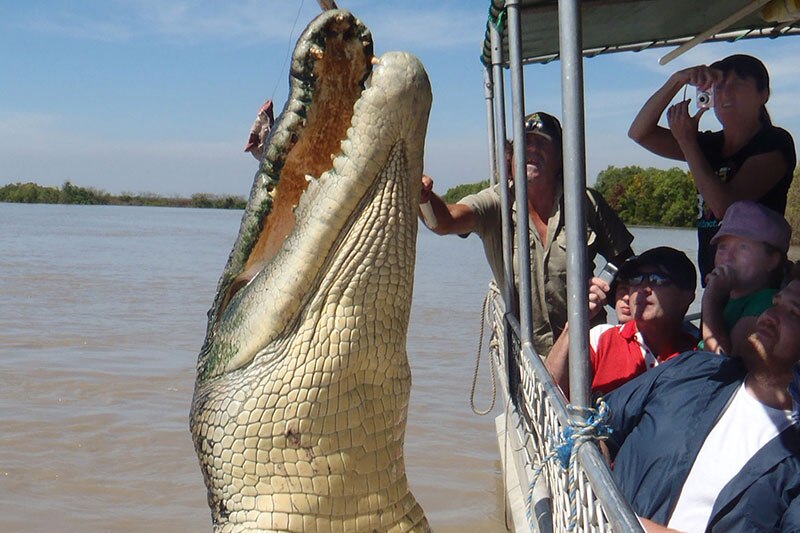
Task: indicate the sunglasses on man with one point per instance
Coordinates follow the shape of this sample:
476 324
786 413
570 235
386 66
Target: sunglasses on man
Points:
533 124
652 279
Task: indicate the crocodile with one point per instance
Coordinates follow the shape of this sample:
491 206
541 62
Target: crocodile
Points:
301 396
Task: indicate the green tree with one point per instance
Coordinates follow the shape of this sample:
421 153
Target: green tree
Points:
72 194
793 207
649 196
454 194
29 193
231 202
676 195
201 200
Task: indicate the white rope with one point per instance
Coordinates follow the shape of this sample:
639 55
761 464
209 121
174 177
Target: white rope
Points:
492 344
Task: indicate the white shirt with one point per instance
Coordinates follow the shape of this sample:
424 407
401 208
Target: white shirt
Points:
742 429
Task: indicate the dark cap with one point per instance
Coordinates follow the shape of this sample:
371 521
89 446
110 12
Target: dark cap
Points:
545 125
745 66
671 262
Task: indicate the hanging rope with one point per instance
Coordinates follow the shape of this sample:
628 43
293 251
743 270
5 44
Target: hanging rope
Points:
288 49
590 425
492 344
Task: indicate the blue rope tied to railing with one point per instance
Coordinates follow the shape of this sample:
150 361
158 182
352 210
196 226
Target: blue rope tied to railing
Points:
591 424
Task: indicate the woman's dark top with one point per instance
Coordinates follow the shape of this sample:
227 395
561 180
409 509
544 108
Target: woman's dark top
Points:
768 139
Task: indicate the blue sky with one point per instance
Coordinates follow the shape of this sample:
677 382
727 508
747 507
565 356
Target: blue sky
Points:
158 96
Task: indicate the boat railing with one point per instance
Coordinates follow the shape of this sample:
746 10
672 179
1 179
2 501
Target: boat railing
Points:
577 495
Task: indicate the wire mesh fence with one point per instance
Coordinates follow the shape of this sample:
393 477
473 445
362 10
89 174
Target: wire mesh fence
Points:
583 496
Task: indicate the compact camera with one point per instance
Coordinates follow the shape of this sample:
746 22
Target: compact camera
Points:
608 273
705 99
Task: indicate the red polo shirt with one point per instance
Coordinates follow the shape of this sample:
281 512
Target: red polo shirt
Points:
619 354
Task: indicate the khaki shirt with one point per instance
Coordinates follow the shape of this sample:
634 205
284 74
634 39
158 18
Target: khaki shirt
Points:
606 235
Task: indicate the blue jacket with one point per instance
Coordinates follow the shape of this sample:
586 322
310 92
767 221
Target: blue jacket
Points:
659 422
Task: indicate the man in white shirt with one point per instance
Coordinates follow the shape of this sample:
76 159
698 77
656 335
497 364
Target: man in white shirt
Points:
709 443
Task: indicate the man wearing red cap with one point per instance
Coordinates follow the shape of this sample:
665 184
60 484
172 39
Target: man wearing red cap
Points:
480 213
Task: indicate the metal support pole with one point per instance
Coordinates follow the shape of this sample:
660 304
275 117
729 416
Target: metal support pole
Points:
507 224
508 290
488 92
520 183
574 148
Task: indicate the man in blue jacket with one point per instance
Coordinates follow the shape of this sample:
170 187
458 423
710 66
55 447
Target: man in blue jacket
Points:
710 443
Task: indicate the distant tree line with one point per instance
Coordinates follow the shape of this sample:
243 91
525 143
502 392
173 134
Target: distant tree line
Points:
454 194
31 193
652 196
641 196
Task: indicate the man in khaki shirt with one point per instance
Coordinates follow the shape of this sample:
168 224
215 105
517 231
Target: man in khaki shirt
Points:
480 213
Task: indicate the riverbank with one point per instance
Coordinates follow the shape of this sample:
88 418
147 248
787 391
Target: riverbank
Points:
69 194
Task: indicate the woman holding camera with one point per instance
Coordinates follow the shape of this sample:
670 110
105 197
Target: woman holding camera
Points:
749 159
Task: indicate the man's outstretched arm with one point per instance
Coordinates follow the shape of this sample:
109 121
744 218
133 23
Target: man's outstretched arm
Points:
448 219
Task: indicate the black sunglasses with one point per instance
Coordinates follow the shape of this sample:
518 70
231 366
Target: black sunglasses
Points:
534 123
653 279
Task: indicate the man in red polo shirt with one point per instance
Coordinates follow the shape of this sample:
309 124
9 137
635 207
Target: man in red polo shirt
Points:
662 283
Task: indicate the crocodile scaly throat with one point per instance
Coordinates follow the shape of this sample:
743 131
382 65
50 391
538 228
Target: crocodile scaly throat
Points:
300 404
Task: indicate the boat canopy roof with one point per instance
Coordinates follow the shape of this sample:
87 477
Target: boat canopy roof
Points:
619 25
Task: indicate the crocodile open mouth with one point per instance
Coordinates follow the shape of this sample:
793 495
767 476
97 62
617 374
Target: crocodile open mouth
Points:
329 68
352 126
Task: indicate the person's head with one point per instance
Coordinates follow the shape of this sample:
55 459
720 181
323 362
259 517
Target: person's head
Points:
744 89
662 282
543 159
752 240
777 336
621 294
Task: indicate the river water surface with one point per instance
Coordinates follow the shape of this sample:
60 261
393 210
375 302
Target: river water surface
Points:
102 314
